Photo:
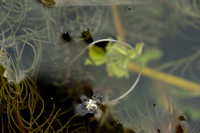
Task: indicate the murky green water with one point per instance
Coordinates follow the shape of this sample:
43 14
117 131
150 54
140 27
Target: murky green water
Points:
45 43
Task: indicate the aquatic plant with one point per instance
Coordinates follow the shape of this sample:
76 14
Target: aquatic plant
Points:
19 62
18 92
16 96
22 107
12 14
190 9
116 57
25 111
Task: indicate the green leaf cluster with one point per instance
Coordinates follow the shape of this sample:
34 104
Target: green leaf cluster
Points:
115 56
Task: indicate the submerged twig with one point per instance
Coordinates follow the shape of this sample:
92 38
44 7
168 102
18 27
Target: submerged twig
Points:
167 78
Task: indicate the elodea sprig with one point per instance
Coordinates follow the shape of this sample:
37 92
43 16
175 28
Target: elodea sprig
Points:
116 56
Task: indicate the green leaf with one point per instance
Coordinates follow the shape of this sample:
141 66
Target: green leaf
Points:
115 70
138 49
89 62
151 54
97 56
118 60
116 57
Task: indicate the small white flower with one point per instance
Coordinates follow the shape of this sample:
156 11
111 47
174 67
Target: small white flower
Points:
91 105
88 105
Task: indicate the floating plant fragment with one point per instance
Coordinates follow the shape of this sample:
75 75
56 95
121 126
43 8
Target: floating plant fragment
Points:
118 59
115 56
97 56
87 37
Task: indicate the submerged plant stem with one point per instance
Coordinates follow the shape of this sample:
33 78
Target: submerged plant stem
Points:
117 22
167 78
19 122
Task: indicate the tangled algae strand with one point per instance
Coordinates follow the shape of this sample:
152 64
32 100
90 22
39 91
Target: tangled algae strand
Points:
17 92
190 9
22 107
94 104
12 14
14 98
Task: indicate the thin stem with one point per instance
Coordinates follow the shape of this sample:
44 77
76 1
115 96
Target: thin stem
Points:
167 78
117 22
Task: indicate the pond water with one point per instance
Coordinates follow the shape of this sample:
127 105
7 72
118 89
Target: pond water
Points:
83 86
